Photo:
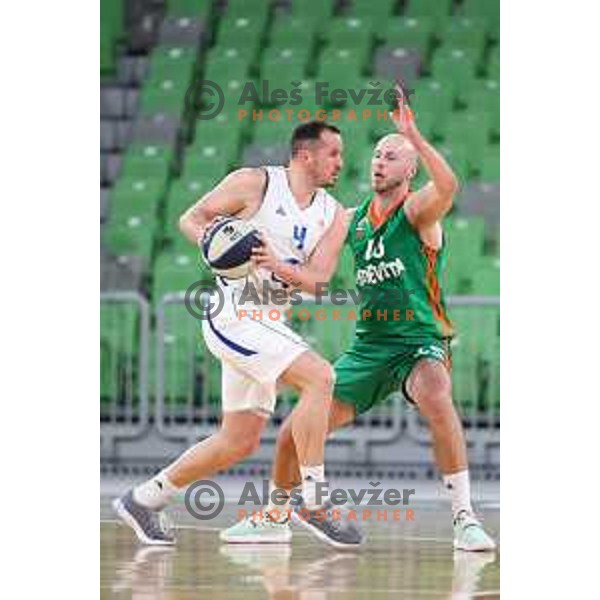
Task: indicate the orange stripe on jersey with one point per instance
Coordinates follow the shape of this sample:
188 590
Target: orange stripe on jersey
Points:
378 214
434 291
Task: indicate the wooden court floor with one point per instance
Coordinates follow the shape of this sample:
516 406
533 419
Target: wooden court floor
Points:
399 560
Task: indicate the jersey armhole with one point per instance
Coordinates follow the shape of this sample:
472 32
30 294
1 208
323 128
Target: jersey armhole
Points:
264 192
416 233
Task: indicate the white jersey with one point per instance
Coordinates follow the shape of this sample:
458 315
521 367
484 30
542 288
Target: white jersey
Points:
255 350
292 232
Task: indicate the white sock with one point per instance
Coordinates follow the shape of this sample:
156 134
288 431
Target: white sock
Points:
281 507
459 490
155 493
311 475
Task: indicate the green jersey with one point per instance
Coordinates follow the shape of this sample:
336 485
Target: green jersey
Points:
398 278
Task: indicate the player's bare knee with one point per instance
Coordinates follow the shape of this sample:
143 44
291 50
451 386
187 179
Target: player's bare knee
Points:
241 446
246 446
435 405
323 377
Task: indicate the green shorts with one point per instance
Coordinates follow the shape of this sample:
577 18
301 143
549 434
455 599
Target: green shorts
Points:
373 368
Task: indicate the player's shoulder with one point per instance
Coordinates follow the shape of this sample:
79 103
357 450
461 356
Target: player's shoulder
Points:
249 175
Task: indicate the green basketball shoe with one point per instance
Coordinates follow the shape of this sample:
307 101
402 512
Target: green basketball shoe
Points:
469 534
260 529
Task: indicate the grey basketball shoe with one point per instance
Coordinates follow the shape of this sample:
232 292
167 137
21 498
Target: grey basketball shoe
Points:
329 523
150 526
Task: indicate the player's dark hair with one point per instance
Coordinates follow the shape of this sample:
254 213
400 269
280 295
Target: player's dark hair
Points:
310 132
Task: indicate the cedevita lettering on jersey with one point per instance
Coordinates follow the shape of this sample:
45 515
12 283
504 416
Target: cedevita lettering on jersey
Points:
396 270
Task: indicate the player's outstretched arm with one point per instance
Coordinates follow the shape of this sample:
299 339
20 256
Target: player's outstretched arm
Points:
322 263
239 193
429 204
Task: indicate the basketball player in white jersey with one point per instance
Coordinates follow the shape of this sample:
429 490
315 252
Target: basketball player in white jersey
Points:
303 228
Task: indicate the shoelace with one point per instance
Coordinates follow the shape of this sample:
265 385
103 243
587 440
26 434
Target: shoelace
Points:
165 524
466 519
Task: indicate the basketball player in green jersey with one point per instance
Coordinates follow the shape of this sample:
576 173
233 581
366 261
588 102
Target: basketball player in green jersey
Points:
399 252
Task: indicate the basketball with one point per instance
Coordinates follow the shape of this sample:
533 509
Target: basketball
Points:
227 247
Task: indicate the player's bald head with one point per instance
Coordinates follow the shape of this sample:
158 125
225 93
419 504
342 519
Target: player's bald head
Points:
397 142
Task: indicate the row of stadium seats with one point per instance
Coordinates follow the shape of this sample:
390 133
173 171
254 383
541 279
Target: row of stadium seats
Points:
191 373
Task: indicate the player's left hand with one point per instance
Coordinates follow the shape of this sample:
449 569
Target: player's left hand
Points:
263 257
404 117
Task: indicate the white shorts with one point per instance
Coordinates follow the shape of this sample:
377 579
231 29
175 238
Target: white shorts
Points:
253 354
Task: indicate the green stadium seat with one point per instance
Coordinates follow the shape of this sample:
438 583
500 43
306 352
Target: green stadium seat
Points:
182 194
454 69
465 32
342 47
176 272
282 66
493 67
465 244
485 97
133 196
189 8
111 31
308 97
358 152
107 57
349 32
224 129
243 32
272 133
142 161
408 32
439 10
225 62
432 103
472 54
133 238
320 12
340 72
456 154
380 10
486 279
168 98
466 235
487 10
248 8
470 130
172 62
293 32
204 160
489 167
